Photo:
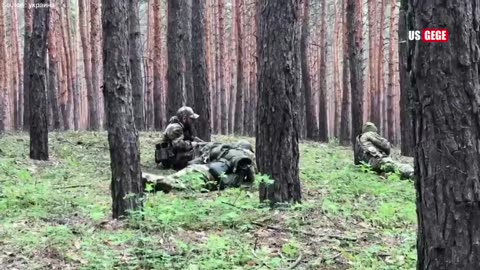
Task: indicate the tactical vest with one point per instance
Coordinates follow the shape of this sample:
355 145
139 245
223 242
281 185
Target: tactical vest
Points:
361 154
164 150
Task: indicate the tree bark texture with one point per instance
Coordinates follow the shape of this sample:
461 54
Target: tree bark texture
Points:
127 190
157 65
53 69
277 110
176 60
135 44
322 101
336 69
67 71
16 65
71 45
391 70
354 10
3 70
187 48
311 121
62 77
445 88
200 76
239 104
345 136
372 63
216 64
149 82
380 104
38 88
406 50
93 117
95 43
26 64
223 90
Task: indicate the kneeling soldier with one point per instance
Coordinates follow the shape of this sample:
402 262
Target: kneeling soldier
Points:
178 144
373 149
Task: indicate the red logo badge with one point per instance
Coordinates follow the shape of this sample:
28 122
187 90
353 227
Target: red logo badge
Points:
435 35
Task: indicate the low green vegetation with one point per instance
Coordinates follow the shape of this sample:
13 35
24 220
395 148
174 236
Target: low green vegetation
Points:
55 215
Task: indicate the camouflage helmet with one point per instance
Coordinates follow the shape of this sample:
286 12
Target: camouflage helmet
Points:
187 111
369 127
244 144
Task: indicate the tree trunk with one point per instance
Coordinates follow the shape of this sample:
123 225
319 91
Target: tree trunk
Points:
336 70
135 44
252 97
66 69
216 96
71 48
93 117
354 9
176 60
149 82
345 136
26 64
209 60
62 80
52 69
322 101
200 80
278 86
311 122
232 64
391 70
62 77
445 88
38 89
223 94
122 134
302 110
3 70
157 65
254 67
239 104
18 66
246 97
372 67
380 69
405 66
187 48
95 42
14 39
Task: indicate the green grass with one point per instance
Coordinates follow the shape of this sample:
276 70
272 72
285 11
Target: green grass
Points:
57 214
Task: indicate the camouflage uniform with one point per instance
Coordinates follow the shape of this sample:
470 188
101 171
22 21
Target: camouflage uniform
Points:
373 149
221 166
176 148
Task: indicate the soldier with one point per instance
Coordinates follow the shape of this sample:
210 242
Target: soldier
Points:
178 144
373 149
221 166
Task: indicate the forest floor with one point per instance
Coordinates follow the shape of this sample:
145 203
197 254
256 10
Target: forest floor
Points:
55 215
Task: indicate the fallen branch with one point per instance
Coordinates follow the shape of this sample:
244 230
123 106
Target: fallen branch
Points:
233 205
75 186
339 237
296 263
